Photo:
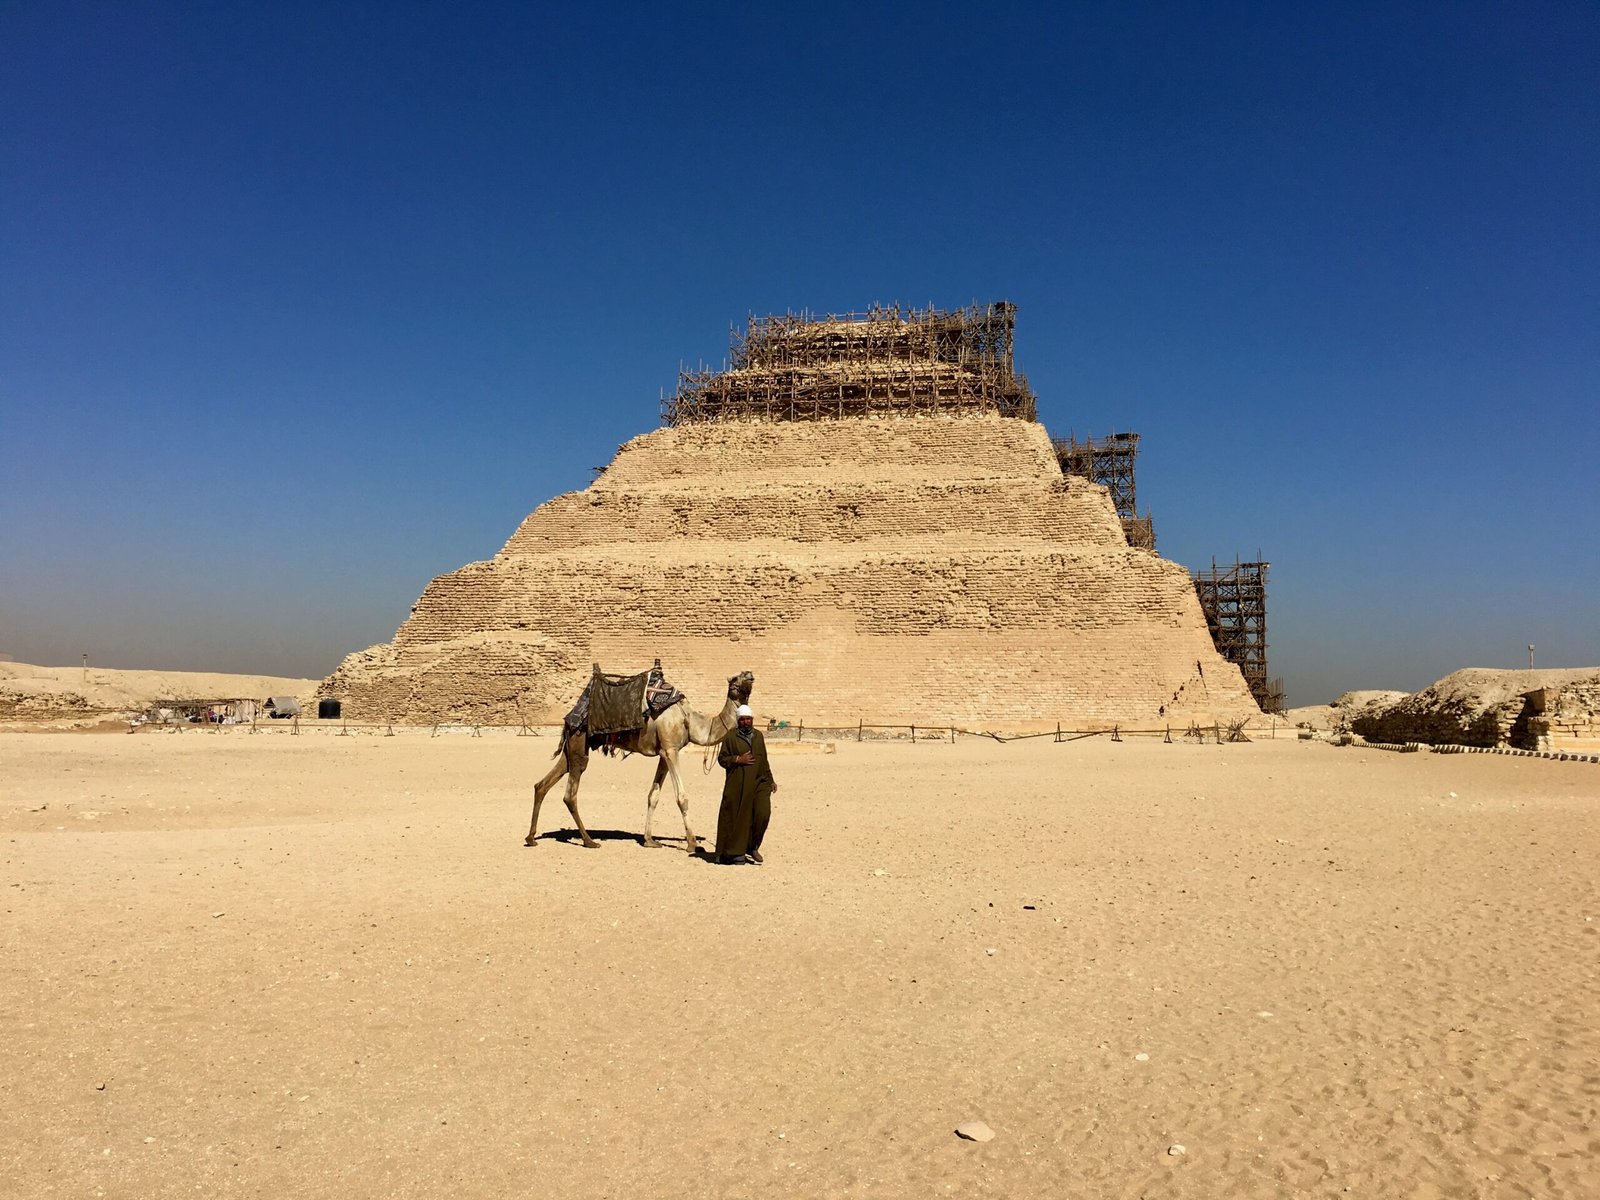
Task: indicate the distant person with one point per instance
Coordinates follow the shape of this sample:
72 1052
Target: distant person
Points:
746 792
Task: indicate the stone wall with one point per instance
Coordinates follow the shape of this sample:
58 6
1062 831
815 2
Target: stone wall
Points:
923 569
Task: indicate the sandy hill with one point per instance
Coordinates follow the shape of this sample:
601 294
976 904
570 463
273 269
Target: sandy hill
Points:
32 694
1344 710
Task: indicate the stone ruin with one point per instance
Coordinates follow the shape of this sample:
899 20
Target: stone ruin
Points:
862 510
1550 708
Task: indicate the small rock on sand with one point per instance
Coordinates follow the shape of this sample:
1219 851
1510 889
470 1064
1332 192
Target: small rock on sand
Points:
974 1131
1176 1150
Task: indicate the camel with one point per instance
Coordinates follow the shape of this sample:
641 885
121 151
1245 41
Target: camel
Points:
661 736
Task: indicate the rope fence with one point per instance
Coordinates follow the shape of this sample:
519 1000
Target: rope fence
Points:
1218 734
1234 732
862 731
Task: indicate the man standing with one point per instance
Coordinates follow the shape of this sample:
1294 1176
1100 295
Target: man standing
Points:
746 793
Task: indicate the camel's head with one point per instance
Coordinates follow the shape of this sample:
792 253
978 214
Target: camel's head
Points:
740 687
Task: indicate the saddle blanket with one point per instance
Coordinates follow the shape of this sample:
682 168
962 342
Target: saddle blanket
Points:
613 704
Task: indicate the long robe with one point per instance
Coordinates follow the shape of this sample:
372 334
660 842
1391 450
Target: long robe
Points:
746 795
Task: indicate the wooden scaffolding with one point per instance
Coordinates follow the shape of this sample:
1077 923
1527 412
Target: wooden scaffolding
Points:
886 360
1109 461
1234 600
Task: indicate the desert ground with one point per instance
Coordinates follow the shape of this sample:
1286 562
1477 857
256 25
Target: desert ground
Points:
278 965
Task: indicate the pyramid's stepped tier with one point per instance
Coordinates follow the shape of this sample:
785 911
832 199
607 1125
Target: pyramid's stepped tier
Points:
895 480
905 569
890 451
924 517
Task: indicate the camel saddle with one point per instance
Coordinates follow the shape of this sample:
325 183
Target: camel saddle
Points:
614 704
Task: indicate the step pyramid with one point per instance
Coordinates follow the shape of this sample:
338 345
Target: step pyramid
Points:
873 552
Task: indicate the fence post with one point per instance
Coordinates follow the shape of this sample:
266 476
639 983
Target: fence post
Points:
1168 738
1116 733
952 735
913 735
859 721
296 730
1058 733
800 732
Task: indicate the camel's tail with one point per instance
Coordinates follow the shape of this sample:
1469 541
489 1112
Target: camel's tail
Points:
566 736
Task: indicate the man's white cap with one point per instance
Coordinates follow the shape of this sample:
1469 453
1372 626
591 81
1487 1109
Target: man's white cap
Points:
744 710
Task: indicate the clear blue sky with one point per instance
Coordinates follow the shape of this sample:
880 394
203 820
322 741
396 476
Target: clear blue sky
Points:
304 304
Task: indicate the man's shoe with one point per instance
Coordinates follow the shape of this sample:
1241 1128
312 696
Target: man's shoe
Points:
755 857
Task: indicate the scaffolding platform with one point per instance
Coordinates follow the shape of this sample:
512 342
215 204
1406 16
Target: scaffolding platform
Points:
794 367
1109 461
1234 600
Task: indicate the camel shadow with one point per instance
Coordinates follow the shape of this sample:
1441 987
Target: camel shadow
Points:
614 835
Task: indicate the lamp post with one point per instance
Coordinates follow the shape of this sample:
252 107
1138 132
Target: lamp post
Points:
1530 656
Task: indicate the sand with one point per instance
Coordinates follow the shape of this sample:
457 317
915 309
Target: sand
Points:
273 965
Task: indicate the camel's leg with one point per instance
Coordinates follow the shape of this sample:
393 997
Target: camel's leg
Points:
650 809
539 791
670 757
573 779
